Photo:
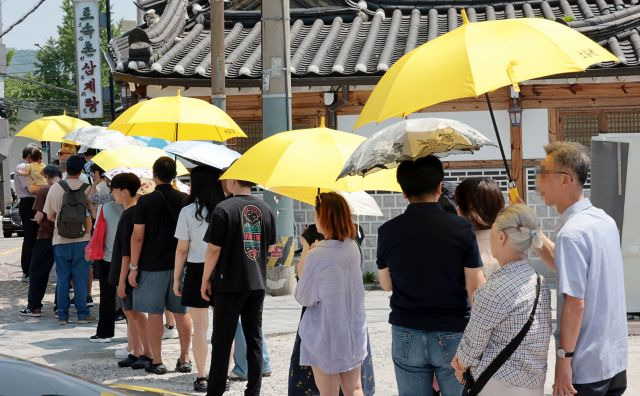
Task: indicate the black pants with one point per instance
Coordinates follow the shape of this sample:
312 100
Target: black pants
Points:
226 310
612 387
107 319
39 270
29 230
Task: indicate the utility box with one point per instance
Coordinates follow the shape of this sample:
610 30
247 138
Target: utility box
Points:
615 188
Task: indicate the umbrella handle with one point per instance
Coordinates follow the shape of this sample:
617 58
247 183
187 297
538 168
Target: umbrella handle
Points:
495 128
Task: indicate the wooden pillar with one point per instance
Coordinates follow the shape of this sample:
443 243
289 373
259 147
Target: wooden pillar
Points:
553 125
516 161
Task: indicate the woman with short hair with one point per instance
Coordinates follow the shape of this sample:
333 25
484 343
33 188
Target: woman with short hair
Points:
479 199
502 307
333 330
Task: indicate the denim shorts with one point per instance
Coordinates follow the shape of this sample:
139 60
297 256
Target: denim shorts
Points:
155 293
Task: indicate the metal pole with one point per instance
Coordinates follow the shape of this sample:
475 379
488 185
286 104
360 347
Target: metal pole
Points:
276 97
5 194
112 94
218 96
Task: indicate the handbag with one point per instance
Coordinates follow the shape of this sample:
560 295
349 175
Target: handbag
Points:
474 387
95 248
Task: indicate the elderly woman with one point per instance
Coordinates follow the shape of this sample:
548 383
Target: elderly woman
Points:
479 199
502 307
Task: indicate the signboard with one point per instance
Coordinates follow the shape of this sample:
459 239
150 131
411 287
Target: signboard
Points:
87 35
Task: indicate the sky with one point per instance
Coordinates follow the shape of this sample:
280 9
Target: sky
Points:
43 23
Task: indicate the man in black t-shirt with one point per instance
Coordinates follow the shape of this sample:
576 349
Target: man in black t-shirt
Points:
241 234
153 249
430 260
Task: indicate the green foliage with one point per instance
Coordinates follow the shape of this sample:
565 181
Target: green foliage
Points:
9 55
369 277
55 66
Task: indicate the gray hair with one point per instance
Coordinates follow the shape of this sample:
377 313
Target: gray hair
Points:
521 226
571 155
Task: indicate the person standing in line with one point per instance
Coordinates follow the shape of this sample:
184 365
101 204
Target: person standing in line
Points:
66 205
591 338
193 222
153 250
26 192
42 258
479 200
111 212
125 187
429 259
501 308
333 329
241 233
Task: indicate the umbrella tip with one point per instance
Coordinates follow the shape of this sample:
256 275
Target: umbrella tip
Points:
178 91
322 123
64 112
465 20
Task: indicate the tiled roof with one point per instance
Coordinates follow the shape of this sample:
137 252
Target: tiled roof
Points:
350 41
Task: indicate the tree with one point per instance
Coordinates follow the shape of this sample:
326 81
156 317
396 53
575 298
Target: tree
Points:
55 66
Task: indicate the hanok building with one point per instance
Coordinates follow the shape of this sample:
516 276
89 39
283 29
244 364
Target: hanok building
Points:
341 48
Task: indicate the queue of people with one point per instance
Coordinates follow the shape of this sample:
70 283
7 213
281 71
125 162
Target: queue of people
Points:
469 313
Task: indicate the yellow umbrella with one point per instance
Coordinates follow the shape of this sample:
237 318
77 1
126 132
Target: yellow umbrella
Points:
176 118
133 157
52 128
476 58
298 163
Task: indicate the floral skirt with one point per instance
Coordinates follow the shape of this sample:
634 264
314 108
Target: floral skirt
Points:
302 383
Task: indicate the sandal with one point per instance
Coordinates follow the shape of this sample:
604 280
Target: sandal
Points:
200 384
183 367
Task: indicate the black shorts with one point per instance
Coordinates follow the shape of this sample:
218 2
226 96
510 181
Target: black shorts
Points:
191 296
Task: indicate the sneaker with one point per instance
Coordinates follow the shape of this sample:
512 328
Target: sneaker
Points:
88 319
25 278
158 369
119 317
101 340
63 322
183 367
170 332
142 363
121 353
90 302
128 361
234 377
200 384
35 313
266 374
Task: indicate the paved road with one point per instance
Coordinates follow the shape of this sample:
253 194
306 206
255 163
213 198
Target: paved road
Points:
67 347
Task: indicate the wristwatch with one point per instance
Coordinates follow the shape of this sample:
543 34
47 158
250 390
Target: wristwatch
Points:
562 354
133 267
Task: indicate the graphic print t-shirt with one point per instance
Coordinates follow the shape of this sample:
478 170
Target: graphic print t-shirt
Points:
244 227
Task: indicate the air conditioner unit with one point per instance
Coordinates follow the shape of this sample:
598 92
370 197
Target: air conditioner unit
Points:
615 188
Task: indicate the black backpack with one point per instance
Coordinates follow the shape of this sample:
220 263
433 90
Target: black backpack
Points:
72 218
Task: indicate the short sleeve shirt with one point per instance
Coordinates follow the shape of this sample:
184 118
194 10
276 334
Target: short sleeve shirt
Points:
158 212
121 244
111 212
243 227
426 251
45 228
589 266
193 229
52 207
21 183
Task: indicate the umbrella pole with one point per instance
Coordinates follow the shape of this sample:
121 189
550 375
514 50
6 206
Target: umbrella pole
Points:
495 128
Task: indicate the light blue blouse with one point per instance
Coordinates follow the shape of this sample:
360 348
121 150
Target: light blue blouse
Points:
333 330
